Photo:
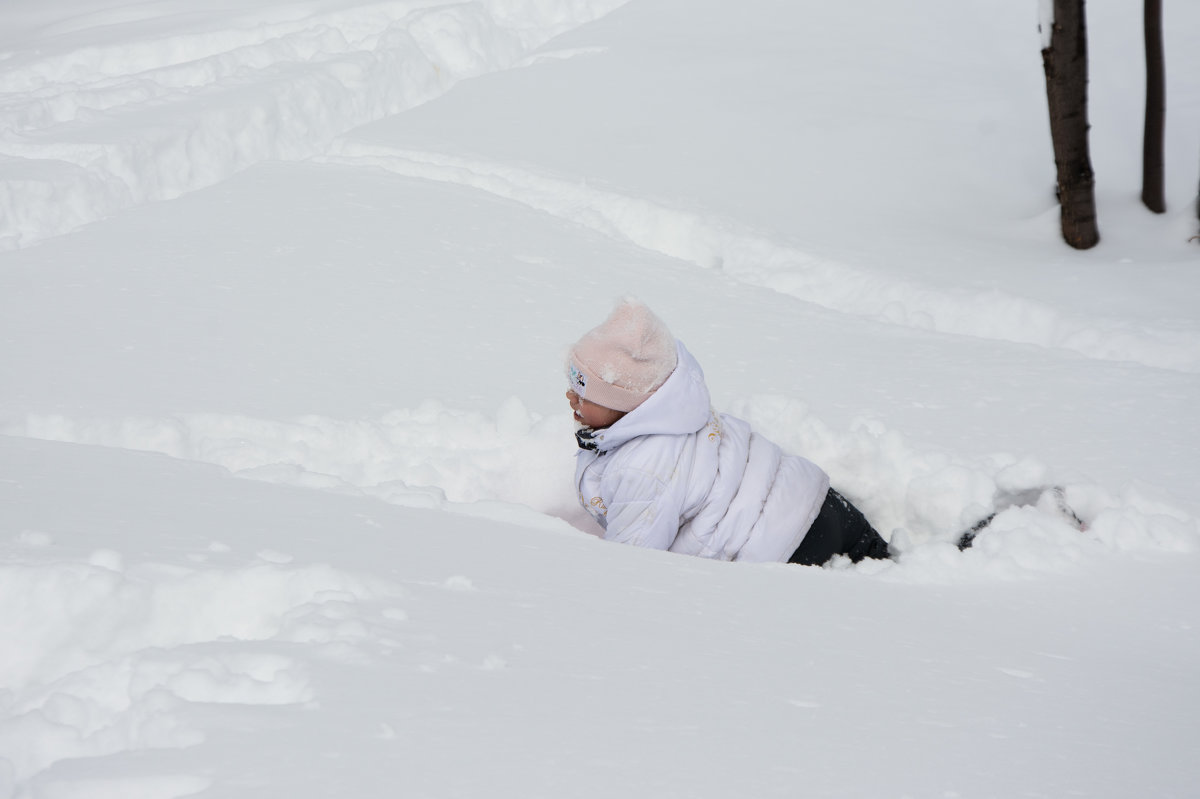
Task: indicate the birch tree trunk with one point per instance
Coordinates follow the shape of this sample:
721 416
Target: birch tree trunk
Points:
1065 64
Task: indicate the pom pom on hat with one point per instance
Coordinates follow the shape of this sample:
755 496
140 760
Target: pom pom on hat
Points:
624 360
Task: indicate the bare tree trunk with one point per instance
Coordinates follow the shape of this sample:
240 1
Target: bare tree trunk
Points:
1065 64
1153 194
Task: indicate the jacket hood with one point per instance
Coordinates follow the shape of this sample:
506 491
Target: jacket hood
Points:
680 406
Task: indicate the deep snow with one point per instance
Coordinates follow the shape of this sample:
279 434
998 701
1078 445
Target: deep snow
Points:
385 224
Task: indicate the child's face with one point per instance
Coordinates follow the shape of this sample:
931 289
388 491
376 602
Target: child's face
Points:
589 414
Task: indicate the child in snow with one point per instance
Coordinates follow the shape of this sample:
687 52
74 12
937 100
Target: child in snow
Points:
658 467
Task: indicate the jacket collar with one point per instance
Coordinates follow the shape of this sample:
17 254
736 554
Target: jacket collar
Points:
585 437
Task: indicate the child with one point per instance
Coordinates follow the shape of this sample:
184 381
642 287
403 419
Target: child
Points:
658 468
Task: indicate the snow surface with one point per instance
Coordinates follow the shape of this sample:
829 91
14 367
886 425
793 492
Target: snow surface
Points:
285 499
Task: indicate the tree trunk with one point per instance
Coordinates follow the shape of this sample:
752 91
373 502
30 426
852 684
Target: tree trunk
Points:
1153 194
1065 64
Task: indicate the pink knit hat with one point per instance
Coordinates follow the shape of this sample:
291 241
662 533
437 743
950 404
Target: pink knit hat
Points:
624 360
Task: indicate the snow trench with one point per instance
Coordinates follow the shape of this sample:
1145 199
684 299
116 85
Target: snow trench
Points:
150 113
108 656
748 257
517 466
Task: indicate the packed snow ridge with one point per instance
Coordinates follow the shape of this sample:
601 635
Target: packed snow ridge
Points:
754 259
129 111
512 466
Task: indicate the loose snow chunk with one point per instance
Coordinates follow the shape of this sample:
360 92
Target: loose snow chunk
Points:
459 583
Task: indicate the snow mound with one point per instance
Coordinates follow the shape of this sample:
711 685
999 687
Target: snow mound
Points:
516 466
429 456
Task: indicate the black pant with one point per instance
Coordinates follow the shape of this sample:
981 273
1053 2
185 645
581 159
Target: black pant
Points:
839 529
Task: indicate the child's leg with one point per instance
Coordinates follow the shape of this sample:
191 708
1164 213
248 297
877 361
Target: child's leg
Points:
839 529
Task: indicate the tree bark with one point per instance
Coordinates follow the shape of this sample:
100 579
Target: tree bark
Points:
1153 193
1065 64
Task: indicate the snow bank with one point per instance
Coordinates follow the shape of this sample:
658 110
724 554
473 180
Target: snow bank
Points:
921 499
429 456
517 466
145 112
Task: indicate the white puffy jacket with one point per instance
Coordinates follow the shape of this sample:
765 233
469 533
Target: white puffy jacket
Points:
674 474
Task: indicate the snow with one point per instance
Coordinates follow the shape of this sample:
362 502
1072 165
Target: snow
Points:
285 463
1046 21
181 98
